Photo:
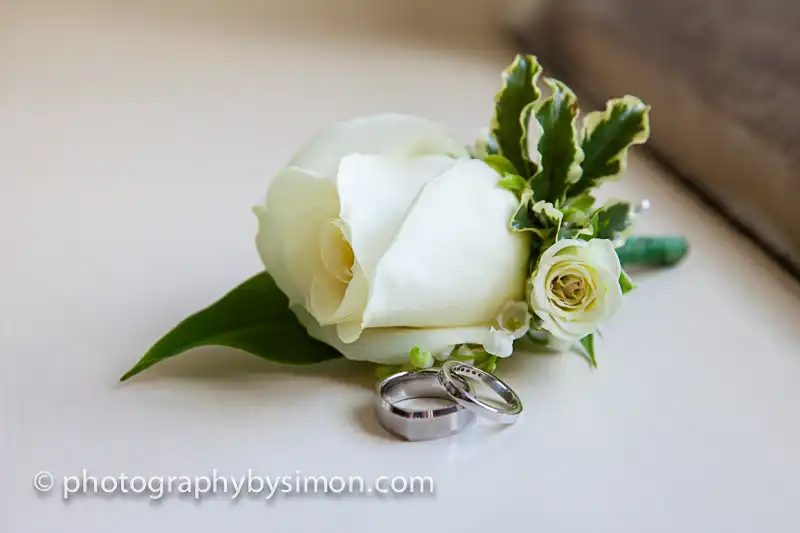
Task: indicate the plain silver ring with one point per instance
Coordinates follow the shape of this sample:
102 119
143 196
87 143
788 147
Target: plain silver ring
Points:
453 375
420 424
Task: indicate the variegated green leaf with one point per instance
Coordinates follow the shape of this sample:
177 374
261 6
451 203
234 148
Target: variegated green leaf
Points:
570 231
607 136
578 213
546 215
501 164
583 202
561 155
513 183
531 134
613 220
523 219
541 219
511 102
538 217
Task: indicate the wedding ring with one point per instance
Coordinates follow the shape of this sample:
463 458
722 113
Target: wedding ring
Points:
453 376
420 424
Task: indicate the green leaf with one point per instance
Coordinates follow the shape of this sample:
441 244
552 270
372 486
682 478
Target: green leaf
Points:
588 345
613 220
607 136
485 361
575 232
254 317
489 364
546 216
533 162
501 164
541 220
577 216
584 202
626 283
511 115
513 183
561 155
541 217
522 219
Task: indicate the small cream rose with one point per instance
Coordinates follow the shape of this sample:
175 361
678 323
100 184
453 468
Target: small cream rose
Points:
576 287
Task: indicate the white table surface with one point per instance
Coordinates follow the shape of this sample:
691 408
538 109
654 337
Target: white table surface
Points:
133 142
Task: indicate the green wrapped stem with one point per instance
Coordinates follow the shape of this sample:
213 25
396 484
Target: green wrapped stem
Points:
653 251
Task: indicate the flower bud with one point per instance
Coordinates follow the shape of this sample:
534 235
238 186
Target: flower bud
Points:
420 358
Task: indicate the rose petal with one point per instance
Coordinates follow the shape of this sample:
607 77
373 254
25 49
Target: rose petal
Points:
298 202
325 296
375 193
454 262
388 134
391 346
601 252
561 245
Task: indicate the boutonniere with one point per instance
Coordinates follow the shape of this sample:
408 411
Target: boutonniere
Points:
386 239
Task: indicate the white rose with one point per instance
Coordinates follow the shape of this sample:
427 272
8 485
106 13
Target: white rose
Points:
385 236
576 287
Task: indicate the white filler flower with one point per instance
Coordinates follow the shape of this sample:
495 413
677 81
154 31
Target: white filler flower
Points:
576 287
385 235
514 321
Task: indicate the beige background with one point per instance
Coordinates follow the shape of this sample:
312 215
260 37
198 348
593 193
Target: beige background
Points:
135 136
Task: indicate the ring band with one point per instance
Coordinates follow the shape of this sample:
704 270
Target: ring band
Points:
452 377
420 424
